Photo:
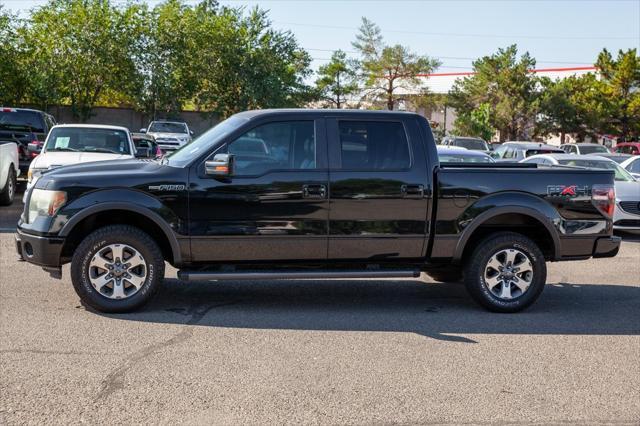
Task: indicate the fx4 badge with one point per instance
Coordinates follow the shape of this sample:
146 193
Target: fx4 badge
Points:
567 190
166 187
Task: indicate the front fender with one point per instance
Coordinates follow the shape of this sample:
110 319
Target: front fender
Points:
124 200
503 203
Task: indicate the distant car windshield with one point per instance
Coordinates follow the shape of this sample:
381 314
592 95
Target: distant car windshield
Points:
621 174
167 127
87 139
21 120
593 149
206 142
462 158
474 144
531 152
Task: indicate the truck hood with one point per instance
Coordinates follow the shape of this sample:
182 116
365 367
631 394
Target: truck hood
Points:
128 172
161 135
58 159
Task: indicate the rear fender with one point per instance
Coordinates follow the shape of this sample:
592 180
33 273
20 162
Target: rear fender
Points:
504 203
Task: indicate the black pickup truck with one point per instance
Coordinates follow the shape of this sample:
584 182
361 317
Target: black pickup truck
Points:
296 194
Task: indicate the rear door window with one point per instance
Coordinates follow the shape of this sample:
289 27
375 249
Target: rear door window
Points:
374 145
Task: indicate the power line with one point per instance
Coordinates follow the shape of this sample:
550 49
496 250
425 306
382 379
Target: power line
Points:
461 58
540 37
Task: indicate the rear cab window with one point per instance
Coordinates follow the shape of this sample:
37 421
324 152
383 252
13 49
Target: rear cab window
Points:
22 120
373 145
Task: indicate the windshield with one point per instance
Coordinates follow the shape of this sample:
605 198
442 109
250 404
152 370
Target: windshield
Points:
205 142
167 127
21 120
621 174
84 139
592 149
475 144
461 158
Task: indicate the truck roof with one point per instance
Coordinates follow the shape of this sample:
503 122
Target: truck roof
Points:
92 126
265 112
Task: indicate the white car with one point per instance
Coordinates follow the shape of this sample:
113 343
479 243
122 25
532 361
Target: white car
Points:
69 144
584 148
169 135
632 165
626 215
9 171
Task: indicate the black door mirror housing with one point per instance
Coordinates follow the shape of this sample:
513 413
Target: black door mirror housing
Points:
221 165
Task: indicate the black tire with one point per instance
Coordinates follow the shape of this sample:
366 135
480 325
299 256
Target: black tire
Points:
446 275
9 190
479 261
99 240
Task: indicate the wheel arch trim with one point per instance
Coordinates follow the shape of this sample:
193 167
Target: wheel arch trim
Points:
482 218
111 205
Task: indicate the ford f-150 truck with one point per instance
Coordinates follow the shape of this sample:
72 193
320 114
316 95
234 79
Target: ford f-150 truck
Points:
296 194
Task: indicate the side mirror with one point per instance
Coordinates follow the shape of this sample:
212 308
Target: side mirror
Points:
143 153
143 130
191 132
221 165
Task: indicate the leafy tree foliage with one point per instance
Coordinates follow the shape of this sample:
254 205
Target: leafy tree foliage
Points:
385 69
621 77
504 83
160 60
337 80
476 122
574 105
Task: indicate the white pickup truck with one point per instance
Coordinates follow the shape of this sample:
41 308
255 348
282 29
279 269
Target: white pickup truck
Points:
69 144
9 171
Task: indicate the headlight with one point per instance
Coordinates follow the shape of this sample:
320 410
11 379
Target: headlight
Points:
45 203
34 173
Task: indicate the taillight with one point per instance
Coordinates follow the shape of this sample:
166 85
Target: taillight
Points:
604 198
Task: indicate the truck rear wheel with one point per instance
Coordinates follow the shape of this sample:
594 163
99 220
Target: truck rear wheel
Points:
9 190
117 268
506 272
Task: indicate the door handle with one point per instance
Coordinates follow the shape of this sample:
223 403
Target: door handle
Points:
314 191
412 191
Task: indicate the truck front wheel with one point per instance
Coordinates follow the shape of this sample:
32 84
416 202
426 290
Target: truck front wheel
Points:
506 272
117 268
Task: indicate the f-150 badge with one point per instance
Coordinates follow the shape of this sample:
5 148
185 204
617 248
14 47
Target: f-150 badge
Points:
166 187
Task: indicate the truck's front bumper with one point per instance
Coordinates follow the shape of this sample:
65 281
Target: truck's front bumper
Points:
43 251
607 246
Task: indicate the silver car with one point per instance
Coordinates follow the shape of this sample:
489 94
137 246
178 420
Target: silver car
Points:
169 135
627 213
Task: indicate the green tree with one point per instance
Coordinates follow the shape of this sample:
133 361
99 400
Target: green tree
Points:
243 63
506 84
622 87
166 59
573 105
337 80
476 123
12 79
84 49
385 69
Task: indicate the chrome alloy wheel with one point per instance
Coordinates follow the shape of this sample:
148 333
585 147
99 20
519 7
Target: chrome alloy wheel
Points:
117 271
11 186
508 274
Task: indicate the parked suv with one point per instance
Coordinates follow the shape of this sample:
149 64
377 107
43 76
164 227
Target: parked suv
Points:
517 151
289 194
584 148
28 128
474 144
170 135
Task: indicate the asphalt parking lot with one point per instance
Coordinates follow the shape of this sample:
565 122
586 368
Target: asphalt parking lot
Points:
322 352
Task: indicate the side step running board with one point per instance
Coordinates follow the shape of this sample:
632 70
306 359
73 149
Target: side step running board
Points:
295 275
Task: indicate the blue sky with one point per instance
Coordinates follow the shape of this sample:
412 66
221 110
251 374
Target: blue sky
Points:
557 33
